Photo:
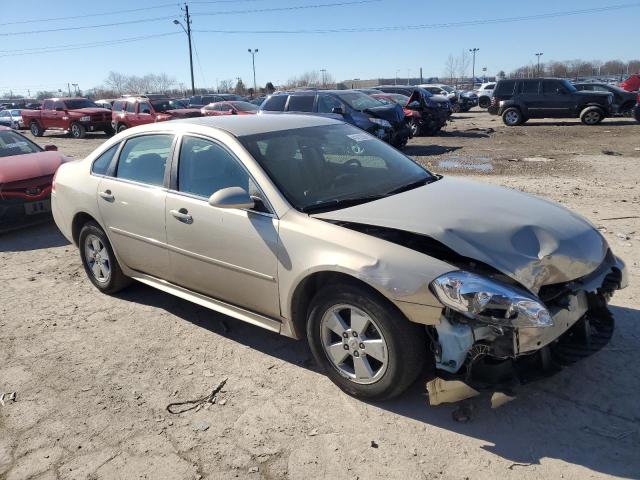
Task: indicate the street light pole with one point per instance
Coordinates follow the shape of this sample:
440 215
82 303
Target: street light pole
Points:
396 80
473 69
253 59
539 55
188 32
323 71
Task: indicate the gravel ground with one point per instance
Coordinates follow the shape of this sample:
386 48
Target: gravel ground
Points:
94 374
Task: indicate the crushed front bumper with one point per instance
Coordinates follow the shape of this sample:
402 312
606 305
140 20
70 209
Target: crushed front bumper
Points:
490 357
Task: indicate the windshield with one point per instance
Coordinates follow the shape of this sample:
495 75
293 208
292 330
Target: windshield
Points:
569 86
164 105
15 113
447 88
74 104
333 166
359 101
12 143
244 106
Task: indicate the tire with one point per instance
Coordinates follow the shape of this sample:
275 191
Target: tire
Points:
400 346
484 102
512 117
109 130
77 130
95 249
36 130
121 127
416 130
592 116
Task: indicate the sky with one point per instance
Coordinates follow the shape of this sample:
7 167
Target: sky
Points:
345 55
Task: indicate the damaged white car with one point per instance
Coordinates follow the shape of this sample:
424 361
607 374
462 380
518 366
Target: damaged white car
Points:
314 229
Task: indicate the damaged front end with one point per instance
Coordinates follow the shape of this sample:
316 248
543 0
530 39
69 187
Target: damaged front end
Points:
494 335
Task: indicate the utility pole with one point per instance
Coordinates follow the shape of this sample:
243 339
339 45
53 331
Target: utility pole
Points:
253 61
539 55
69 88
396 81
408 75
187 30
323 71
421 79
473 70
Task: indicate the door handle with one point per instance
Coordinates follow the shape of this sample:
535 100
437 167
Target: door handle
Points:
182 215
107 195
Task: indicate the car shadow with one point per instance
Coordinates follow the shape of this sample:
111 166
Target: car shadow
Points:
555 418
578 123
426 150
470 133
26 238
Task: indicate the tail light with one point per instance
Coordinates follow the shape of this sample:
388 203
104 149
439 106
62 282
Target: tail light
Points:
494 101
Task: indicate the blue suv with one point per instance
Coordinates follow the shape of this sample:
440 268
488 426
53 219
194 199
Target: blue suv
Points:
386 122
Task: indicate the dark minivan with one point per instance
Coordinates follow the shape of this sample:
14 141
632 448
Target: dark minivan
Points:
521 99
386 122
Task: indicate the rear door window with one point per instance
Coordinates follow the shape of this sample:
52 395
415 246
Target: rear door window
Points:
143 159
275 103
326 103
131 107
505 87
301 103
552 87
101 164
529 86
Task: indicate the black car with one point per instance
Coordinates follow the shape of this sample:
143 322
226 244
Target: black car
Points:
198 101
519 100
623 101
386 122
434 110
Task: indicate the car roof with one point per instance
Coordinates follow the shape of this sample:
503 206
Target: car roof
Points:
253 124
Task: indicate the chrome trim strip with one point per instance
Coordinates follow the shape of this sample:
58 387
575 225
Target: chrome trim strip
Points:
197 256
211 303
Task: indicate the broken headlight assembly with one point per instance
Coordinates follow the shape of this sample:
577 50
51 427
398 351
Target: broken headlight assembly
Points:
486 300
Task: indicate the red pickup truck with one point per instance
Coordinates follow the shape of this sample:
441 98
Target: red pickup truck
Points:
76 116
133 111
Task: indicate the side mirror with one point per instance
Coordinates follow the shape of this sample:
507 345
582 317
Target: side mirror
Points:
231 197
49 147
337 110
232 112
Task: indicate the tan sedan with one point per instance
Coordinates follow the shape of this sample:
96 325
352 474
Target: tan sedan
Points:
312 228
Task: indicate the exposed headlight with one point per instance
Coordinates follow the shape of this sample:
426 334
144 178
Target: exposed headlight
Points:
486 300
86 118
381 122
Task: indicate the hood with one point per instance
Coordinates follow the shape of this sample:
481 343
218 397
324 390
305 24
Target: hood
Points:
532 240
392 113
31 165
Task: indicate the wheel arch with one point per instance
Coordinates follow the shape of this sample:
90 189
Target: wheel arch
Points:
79 220
310 285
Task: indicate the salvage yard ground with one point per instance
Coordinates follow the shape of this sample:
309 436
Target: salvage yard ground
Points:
94 374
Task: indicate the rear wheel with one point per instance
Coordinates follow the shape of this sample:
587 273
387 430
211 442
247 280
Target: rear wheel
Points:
36 130
363 343
592 116
484 102
99 261
78 130
415 128
121 127
512 117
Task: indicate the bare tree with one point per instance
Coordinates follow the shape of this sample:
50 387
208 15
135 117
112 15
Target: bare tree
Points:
464 60
225 86
451 68
117 82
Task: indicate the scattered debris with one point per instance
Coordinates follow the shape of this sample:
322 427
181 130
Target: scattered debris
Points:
498 399
537 159
200 426
612 153
510 467
254 469
10 396
462 414
209 373
313 432
374 444
448 391
197 403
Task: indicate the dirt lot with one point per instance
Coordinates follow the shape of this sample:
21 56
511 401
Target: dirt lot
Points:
93 374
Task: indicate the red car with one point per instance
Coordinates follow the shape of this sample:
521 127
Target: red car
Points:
133 111
26 176
229 108
412 116
74 115
632 84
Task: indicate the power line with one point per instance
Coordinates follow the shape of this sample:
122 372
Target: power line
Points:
72 17
64 48
467 23
283 9
84 27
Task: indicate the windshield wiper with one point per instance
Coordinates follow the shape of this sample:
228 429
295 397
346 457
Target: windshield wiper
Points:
412 185
339 203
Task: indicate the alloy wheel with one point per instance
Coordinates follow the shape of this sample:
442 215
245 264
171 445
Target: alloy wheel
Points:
592 118
354 344
512 117
97 258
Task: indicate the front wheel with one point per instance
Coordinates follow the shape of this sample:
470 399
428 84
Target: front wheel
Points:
99 261
415 128
592 116
78 131
484 102
363 343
